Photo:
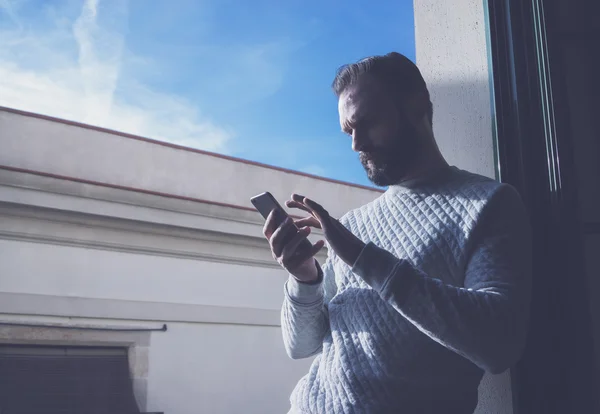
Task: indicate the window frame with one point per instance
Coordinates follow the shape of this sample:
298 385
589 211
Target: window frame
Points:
534 154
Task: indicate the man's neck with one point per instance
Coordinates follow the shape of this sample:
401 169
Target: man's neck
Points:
429 163
430 159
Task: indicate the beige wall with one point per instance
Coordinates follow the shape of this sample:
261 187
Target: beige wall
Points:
42 145
84 254
452 55
191 368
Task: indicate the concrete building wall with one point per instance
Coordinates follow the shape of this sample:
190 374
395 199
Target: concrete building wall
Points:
452 55
192 368
92 238
97 155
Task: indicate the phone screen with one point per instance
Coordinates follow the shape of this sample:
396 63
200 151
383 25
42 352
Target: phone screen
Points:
265 203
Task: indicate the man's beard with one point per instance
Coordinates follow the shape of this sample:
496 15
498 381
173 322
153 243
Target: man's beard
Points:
390 164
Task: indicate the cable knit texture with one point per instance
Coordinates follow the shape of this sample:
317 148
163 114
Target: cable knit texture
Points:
439 295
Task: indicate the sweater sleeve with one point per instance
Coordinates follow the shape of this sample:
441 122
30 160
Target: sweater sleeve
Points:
486 319
304 314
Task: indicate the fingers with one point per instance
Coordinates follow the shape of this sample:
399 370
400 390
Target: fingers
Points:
306 204
297 204
270 224
316 208
288 240
291 248
298 198
308 222
292 262
281 236
296 251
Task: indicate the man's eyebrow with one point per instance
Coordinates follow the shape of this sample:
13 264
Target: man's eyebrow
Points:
345 128
348 124
356 118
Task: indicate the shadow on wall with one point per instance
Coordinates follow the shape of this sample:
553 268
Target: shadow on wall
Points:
462 124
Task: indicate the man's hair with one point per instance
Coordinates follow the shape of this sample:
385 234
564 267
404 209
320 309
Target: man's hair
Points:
399 75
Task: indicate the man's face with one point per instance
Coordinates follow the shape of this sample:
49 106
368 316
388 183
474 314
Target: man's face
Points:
387 143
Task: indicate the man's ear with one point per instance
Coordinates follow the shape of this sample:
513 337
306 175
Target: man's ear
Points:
416 108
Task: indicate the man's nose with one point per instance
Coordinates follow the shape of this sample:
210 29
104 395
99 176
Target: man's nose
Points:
359 141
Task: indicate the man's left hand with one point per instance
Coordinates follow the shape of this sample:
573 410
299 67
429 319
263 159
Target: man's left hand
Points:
345 244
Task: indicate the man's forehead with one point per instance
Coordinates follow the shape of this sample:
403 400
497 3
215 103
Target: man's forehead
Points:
365 94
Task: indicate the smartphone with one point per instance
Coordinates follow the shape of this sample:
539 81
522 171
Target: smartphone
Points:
265 203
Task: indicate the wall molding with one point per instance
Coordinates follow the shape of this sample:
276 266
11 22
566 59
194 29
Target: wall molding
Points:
48 210
180 147
62 210
61 241
65 229
40 190
38 225
131 310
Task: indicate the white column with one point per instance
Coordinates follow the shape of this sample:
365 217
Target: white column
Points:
452 54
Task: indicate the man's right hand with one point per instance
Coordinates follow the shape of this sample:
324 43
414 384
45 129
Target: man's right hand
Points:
285 241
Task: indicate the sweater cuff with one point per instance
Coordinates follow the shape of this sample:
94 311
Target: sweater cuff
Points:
304 293
384 272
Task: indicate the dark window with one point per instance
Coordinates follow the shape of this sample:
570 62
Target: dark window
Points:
65 380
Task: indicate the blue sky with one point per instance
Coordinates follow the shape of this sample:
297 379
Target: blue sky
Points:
245 78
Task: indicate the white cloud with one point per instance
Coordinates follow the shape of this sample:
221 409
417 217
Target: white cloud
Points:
7 8
253 71
41 72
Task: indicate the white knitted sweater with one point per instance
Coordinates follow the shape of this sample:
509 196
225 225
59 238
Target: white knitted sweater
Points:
439 294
